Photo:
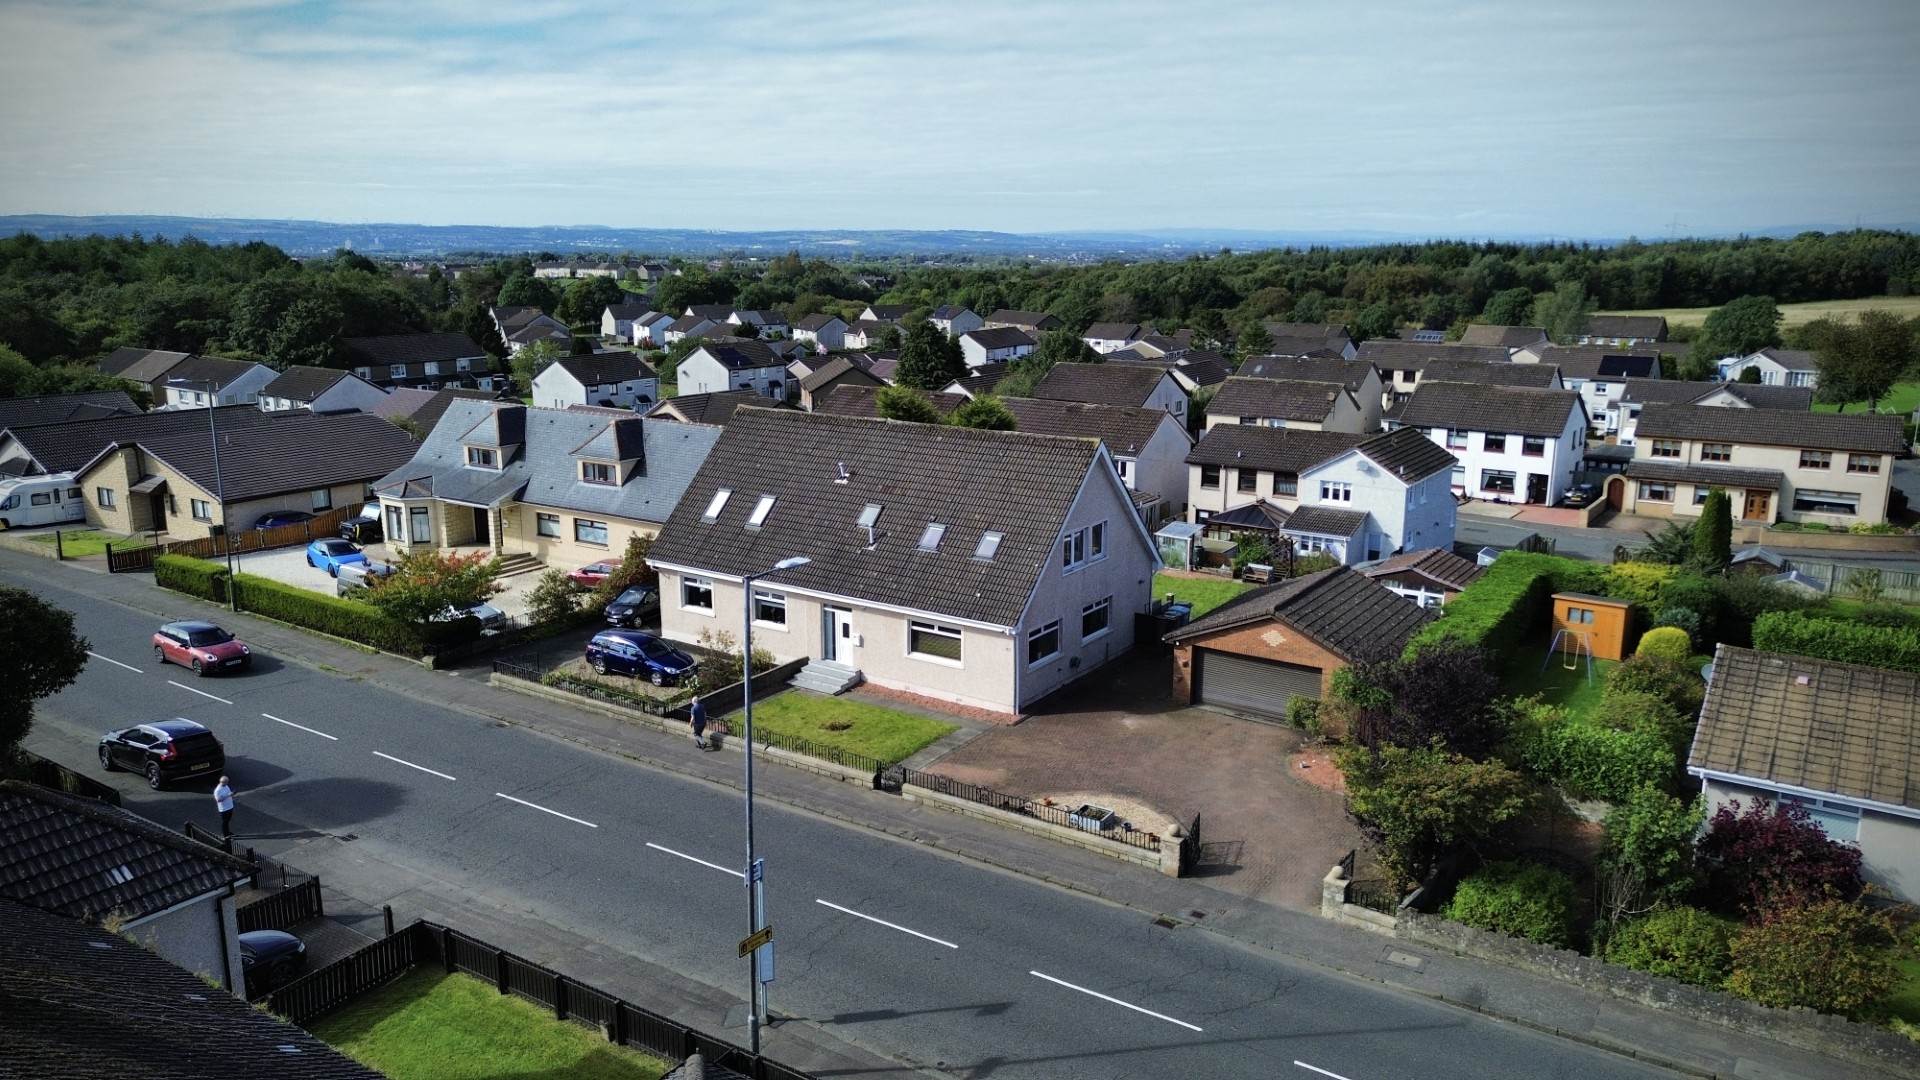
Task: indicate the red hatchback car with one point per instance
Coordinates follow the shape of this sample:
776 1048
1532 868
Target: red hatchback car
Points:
201 646
591 575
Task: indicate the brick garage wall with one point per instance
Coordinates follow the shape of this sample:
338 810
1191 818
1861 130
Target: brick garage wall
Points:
1266 640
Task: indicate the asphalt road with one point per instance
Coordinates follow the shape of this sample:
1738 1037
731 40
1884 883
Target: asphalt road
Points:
920 957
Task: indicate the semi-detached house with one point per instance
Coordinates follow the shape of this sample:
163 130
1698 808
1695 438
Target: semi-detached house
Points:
615 380
1358 376
319 389
1515 443
983 568
1288 403
197 381
1135 385
735 365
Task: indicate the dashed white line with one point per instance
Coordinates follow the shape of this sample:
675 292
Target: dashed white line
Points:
1114 1000
114 662
885 923
537 806
702 862
302 727
202 693
1318 1069
410 765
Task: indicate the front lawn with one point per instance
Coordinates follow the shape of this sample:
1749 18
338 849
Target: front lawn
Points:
1555 684
79 543
431 1025
1204 593
1904 1004
844 724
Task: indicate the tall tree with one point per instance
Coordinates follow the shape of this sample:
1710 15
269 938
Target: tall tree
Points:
1737 328
1563 312
1861 361
985 412
1509 307
929 359
1252 340
43 656
525 290
586 298
532 360
902 402
1713 533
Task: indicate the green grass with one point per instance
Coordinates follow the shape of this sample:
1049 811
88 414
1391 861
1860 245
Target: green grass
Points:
1796 314
1904 1002
1900 401
434 1026
78 543
873 730
1554 683
1204 594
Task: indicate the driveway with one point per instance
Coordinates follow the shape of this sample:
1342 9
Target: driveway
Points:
289 565
1266 831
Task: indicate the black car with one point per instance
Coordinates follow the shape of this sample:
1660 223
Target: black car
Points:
163 751
364 527
282 517
627 608
270 958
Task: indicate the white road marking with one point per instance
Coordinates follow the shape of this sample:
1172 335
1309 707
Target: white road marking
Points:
1318 1069
702 862
885 923
302 727
400 761
114 662
202 693
537 806
1114 1000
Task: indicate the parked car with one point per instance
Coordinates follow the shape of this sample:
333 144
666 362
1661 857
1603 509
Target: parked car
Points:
201 646
282 517
331 555
632 603
591 575
491 618
163 751
1581 495
630 652
270 958
354 577
364 527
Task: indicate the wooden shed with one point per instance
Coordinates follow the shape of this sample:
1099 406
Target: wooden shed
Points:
1598 621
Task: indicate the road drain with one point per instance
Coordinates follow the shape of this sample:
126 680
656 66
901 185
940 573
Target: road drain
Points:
1165 923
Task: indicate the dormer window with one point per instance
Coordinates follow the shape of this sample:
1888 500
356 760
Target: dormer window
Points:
989 545
718 504
596 472
481 457
930 539
760 511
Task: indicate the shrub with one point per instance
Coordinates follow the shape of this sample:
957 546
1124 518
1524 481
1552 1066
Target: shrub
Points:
349 619
1764 857
1443 693
554 598
1678 684
1846 641
1637 710
1590 761
195 577
1742 598
1640 583
633 570
1678 943
1417 805
1834 956
1666 642
1649 852
1304 713
1680 618
1523 899
1713 532
721 666
426 582
1885 614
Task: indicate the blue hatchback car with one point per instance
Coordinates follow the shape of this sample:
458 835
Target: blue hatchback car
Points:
331 555
630 652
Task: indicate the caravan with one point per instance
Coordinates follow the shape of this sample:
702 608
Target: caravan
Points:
40 500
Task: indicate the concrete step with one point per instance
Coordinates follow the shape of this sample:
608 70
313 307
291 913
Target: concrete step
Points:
827 677
516 564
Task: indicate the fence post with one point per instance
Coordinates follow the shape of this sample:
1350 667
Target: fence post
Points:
617 1031
446 948
500 968
59 545
386 917
559 997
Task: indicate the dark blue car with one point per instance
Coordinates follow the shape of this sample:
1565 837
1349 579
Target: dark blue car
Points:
630 652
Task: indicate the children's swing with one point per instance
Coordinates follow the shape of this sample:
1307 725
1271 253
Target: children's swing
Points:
1576 644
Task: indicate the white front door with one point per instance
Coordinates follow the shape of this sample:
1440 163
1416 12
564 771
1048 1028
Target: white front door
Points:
836 634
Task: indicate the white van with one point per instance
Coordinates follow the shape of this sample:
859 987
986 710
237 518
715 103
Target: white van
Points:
40 500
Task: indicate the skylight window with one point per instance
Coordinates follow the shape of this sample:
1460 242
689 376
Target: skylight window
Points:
718 504
760 511
870 516
989 545
930 540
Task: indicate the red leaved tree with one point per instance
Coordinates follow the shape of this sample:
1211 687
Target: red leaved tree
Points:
1767 858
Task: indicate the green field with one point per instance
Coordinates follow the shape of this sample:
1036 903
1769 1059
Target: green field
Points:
845 724
434 1026
1901 400
1795 314
79 543
1204 594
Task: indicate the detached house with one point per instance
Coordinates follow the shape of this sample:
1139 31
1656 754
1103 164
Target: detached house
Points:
1831 468
822 331
565 487
1315 406
735 365
614 380
1777 367
42 449
954 319
1116 384
991 601
1108 337
195 382
994 346
1033 322
1510 338
1515 443
866 333
1619 330
427 361
320 390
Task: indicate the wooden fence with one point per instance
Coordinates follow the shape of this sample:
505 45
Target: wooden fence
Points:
283 910
125 560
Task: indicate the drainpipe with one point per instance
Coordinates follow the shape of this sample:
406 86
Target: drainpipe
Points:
226 957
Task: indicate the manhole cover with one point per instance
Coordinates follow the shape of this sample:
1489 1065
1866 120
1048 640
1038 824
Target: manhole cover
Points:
1405 960
1165 923
1197 914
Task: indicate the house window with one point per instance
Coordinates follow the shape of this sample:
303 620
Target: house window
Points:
1246 480
103 496
1799 378
1336 491
1815 459
322 499
420 525
1666 448
1838 820
1043 643
1286 483
481 457
547 525
1863 463
931 641
716 504
1095 618
1082 546
1533 446
596 472
1497 480
1310 545
1656 491
1097 541
1579 616
1210 476
760 511
463 365
1700 493
201 508
433 367
1494 442
1456 439
770 608
397 371
590 532
1809 501
1716 451
696 594
396 524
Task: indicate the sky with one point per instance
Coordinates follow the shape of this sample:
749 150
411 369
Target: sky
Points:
1498 117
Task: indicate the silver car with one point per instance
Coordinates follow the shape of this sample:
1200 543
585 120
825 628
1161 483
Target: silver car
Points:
354 577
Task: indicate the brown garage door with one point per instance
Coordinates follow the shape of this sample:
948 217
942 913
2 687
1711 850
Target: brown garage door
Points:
1252 685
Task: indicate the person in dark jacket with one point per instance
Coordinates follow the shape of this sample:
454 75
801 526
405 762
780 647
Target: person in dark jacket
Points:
698 714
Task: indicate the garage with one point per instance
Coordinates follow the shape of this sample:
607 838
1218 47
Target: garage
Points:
1250 684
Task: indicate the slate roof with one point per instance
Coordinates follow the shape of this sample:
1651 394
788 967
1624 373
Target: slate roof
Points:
630 310
1204 367
544 469
1438 565
1413 355
1671 390
1774 427
62 447
1791 359
973 482
61 408
296 452
818 322
742 355
1306 346
1645 327
1408 454
1031 320
1597 361
1325 520
1289 450
533 332
1322 331
424 407
1350 373
890 312
1125 429
1344 611
948 312
1113 331
998 337
1259 514
302 383
1500 373
982 379
1841 729
1506 337
1514 410
716 408
593 369
79 1002
1763 396
140 365
839 367
1101 384
1285 399
409 348
1693 473
83 859
854 399
217 370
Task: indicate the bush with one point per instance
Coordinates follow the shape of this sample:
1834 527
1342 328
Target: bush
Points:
1680 618
1444 693
1649 853
1665 642
195 577
1508 602
1594 762
1523 899
349 619
554 598
1304 713
1833 956
632 570
1640 583
1677 943
721 666
1418 805
1742 598
1845 641
1637 710
1678 684
1768 857
1885 614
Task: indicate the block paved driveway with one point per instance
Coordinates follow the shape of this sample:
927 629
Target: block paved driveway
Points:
289 565
1266 833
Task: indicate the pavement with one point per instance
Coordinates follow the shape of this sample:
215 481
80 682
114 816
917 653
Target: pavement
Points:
909 939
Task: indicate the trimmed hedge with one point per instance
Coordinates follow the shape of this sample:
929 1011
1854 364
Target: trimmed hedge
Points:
1678 943
195 577
1849 642
349 619
1509 601
1597 762
1523 899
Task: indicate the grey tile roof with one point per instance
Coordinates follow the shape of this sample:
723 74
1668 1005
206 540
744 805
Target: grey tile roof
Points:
217 370
1341 609
854 399
1408 454
60 447
301 383
717 312
424 407
1515 410
1595 361
84 859
1306 346
998 337
61 408
1438 565
1325 520
1506 337
1670 390
1275 449
140 365
1204 367
716 408
1124 429
1774 427
1413 355
593 369
1321 331
1114 331
1285 399
948 312
1031 320
1101 384
297 452
742 355
545 471
1723 475
1762 396
840 367
409 348
1844 729
982 379
1350 373
1645 327
1499 373
818 322
1791 359
1259 514
972 482
630 310
890 312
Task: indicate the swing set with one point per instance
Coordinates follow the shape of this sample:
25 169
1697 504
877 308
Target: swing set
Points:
1577 643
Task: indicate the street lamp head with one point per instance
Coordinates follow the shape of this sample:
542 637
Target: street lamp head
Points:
793 563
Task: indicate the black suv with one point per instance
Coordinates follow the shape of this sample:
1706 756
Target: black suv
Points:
163 751
363 528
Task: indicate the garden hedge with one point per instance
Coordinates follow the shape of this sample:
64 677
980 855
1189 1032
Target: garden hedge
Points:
1598 762
1519 898
1678 943
1509 602
1849 642
195 577
349 619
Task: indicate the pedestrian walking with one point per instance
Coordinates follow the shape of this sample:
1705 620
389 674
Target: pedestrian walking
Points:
698 715
223 798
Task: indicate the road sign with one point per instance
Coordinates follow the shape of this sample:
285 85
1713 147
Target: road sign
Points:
756 939
757 872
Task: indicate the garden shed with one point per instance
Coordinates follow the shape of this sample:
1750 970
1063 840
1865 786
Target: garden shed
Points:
1583 621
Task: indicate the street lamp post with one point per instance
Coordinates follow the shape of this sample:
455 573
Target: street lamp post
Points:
756 885
219 488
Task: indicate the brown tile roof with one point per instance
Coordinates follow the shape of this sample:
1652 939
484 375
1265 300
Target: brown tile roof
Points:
1285 399
1343 610
1125 429
1248 446
1774 427
1350 373
1515 410
1817 725
1721 475
1506 337
1438 565
1101 384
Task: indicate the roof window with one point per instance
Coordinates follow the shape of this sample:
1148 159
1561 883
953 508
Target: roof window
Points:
870 516
930 539
760 511
989 545
718 504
